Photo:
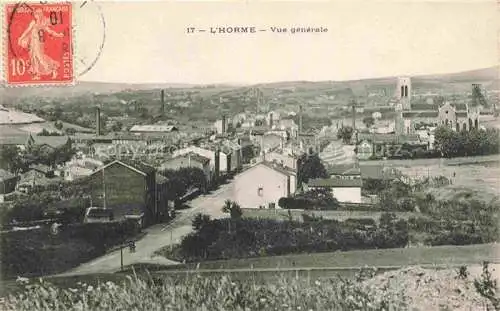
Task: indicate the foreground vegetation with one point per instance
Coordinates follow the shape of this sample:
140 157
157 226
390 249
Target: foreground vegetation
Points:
197 293
368 290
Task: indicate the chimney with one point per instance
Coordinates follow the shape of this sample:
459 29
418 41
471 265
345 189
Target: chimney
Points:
300 120
223 124
98 121
162 101
353 115
217 163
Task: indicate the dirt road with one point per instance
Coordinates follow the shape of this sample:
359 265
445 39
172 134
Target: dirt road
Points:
159 236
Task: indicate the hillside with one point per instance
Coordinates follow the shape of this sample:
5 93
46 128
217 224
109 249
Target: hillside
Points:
486 76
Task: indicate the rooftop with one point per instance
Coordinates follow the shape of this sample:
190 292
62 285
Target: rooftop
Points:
421 114
334 182
153 128
388 138
424 107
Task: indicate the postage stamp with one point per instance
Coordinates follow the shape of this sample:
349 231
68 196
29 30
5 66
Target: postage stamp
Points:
39 44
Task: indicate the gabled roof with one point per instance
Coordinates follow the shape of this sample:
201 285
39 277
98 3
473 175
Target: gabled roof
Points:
421 114
334 183
136 166
424 107
282 170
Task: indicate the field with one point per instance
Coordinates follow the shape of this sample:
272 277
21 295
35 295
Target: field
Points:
477 173
383 258
269 288
281 214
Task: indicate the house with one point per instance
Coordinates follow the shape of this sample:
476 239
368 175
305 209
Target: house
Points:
74 172
363 172
263 184
46 170
129 188
189 160
8 183
27 141
344 190
375 144
218 160
31 179
153 129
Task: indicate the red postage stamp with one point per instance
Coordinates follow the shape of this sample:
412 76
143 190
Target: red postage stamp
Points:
38 43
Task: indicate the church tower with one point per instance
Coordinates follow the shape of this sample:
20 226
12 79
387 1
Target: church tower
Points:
403 92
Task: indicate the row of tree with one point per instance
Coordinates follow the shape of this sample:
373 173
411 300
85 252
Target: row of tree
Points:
15 160
238 237
466 143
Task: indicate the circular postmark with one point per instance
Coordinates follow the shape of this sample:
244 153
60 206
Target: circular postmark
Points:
90 35
85 23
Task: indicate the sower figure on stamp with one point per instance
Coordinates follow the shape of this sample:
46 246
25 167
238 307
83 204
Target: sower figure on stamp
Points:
33 39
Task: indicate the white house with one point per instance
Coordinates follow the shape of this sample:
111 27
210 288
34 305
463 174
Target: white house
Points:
263 185
344 190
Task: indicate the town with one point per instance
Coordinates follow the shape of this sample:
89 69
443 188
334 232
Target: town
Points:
190 175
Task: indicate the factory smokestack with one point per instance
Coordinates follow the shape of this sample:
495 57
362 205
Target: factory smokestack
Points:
98 121
162 101
300 120
353 103
223 124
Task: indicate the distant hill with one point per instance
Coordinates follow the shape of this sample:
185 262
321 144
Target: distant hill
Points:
484 75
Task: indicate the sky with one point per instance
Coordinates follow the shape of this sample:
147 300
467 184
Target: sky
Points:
147 42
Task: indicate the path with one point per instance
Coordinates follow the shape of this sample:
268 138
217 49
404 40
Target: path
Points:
159 236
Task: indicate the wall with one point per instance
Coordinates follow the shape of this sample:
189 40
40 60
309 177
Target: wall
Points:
210 154
125 189
347 194
246 187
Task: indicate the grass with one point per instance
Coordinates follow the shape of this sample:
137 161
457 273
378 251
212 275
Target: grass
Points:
280 214
204 293
393 257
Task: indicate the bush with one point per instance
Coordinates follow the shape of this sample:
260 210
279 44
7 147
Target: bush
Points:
38 252
223 238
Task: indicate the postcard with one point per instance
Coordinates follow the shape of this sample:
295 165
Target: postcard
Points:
249 155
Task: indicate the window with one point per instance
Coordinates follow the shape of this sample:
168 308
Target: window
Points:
260 191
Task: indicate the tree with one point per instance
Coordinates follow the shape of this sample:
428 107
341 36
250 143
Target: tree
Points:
58 125
10 159
345 133
233 209
447 141
368 121
200 220
310 166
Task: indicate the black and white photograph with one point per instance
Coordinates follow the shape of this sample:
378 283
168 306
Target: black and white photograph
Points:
250 155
